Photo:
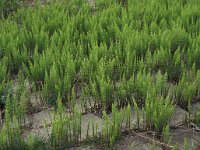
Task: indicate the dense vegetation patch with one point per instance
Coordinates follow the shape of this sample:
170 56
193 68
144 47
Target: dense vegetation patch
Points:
118 53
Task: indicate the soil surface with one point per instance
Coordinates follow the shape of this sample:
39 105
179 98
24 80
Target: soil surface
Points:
35 123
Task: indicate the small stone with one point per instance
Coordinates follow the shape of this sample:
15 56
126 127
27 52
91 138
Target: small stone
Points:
40 118
179 117
195 107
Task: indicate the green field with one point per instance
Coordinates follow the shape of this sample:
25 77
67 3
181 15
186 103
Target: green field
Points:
106 58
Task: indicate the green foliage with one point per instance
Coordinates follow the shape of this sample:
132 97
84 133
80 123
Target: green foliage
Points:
3 72
186 144
197 118
10 135
111 130
187 88
109 54
166 135
111 46
2 94
9 6
2 84
157 113
66 129
179 39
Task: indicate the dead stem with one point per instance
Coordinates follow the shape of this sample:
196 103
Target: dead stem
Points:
155 141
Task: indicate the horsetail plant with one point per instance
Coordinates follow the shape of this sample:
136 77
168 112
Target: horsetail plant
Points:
112 52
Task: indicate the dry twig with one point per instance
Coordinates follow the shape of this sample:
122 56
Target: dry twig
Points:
167 146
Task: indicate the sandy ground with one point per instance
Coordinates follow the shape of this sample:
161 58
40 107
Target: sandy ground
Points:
34 123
